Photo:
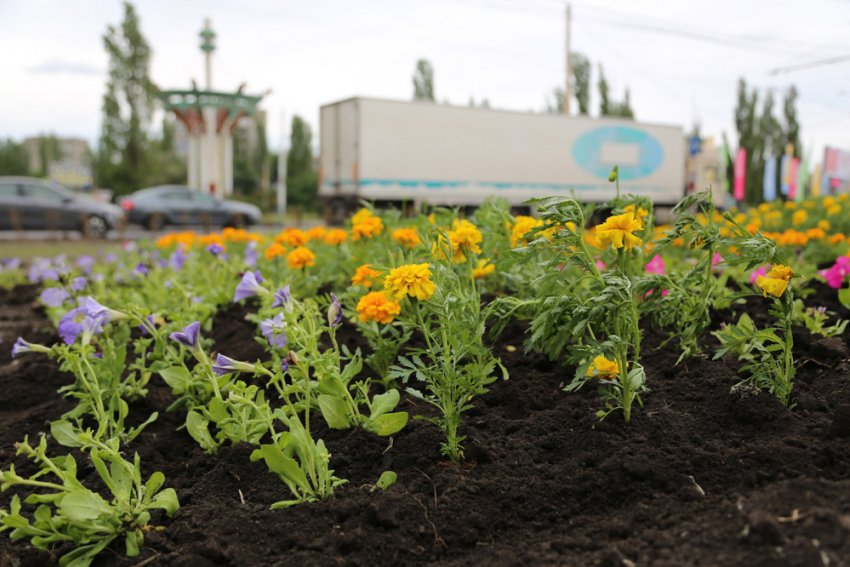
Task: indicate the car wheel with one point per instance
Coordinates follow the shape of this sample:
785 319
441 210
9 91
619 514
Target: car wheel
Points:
238 221
155 222
95 227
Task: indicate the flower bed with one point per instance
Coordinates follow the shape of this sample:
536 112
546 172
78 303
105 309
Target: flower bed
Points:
501 391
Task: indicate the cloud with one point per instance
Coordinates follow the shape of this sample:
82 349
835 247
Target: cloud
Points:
52 67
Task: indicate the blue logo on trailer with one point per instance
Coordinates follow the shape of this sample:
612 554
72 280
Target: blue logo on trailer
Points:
588 148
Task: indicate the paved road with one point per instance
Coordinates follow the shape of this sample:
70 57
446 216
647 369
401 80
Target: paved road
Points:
132 232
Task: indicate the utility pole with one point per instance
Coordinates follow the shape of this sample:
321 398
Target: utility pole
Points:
569 67
281 168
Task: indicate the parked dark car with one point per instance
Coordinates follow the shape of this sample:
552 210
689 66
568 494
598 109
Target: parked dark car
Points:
27 203
156 207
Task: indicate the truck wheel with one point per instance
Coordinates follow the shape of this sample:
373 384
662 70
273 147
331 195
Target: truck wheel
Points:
94 227
238 221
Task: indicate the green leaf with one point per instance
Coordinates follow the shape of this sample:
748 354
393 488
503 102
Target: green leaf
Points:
389 423
334 411
218 410
844 297
384 403
153 485
83 556
167 500
387 479
132 543
65 433
285 467
198 428
177 377
84 506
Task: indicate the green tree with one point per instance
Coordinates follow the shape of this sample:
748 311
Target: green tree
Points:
423 81
773 138
49 151
581 82
749 138
792 128
128 105
166 167
558 106
302 181
14 158
604 102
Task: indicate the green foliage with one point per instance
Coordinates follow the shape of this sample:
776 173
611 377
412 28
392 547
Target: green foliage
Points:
423 81
385 341
609 107
14 158
581 82
70 512
302 181
815 319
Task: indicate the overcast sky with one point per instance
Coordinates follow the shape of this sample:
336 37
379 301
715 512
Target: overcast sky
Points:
680 59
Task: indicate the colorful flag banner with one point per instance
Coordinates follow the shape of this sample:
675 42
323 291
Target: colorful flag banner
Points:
816 181
803 178
724 166
792 186
785 174
740 174
770 179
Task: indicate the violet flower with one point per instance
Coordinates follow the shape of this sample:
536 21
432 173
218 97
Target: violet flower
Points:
177 259
78 321
334 312
95 309
111 258
282 298
54 296
144 327
78 283
273 330
250 286
21 346
215 249
189 338
12 263
97 278
226 365
251 254
85 261
140 270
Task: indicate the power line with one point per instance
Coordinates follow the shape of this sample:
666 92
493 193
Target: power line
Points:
810 65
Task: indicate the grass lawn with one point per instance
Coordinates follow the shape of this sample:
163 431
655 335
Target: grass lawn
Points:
46 248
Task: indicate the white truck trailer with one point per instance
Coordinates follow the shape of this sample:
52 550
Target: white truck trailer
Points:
422 152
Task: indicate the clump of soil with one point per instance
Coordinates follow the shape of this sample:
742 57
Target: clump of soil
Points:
707 473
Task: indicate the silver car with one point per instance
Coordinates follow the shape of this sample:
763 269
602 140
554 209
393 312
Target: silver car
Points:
156 207
27 203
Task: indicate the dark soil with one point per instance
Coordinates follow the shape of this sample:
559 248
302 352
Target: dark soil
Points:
701 476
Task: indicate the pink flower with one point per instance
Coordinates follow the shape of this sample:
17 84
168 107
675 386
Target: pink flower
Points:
716 260
835 275
600 264
648 293
656 266
760 272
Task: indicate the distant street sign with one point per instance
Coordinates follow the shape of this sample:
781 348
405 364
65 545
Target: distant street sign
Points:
70 174
695 146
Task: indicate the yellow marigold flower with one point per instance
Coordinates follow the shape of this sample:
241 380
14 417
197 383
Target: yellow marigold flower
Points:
365 276
523 225
368 227
843 197
790 205
619 230
231 234
335 236
360 216
724 231
799 217
212 238
776 280
603 368
411 279
815 233
465 237
483 268
824 224
837 238
810 204
375 307
274 250
641 212
407 237
255 236
316 233
437 250
301 257
764 207
834 210
294 237
432 219
741 218
828 201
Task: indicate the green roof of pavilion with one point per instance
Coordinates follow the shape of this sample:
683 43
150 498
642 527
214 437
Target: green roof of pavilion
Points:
235 103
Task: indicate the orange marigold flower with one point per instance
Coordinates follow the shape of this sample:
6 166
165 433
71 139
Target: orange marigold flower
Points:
752 228
407 237
274 250
360 216
292 237
335 236
301 257
316 233
837 238
816 233
369 227
365 276
375 306
603 368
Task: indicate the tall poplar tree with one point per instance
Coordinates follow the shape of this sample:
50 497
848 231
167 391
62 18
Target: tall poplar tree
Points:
423 81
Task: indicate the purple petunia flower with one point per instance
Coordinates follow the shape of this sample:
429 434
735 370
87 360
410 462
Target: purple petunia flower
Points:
168 284
76 322
198 299
21 346
162 263
98 278
111 258
334 312
226 365
177 259
144 328
84 261
78 283
273 329
249 286
284 364
54 296
95 309
12 263
251 254
141 270
215 249
189 338
282 297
